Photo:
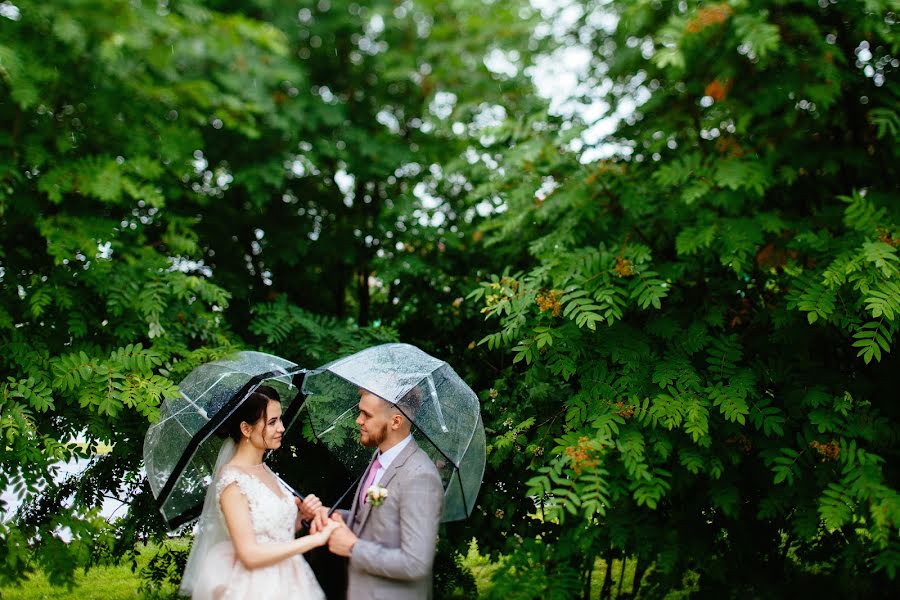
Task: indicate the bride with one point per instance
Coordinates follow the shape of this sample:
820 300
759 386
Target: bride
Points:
244 546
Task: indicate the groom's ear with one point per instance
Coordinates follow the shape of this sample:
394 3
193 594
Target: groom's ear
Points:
397 421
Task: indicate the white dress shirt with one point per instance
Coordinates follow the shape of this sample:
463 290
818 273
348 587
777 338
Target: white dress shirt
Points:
387 457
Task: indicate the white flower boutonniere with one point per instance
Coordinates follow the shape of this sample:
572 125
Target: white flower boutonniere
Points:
376 495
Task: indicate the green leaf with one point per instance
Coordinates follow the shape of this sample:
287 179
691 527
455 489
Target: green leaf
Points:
760 37
693 239
884 256
817 301
872 338
669 57
737 174
887 122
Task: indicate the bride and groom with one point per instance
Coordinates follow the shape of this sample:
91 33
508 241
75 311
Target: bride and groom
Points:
245 544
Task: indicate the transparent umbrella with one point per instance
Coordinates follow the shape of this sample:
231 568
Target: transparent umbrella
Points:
445 411
180 449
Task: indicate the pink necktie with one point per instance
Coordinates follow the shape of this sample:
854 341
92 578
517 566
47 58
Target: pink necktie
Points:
376 464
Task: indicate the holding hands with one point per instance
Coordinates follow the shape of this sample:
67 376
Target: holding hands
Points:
342 539
339 537
324 535
312 510
320 528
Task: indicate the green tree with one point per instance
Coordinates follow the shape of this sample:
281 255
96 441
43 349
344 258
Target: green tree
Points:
702 327
689 351
181 179
107 109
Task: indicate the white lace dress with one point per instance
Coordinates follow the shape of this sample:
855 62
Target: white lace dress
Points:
274 515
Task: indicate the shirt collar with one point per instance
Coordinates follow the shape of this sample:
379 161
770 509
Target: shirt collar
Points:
387 457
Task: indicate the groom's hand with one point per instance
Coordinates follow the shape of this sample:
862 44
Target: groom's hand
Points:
342 539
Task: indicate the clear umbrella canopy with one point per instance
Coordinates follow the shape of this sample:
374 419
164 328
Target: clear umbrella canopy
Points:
180 449
445 411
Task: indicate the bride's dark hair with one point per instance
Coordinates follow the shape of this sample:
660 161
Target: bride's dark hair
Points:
250 411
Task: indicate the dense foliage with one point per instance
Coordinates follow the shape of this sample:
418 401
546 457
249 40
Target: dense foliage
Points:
686 350
703 327
181 179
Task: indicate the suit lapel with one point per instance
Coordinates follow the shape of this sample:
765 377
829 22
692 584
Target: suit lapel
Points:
389 474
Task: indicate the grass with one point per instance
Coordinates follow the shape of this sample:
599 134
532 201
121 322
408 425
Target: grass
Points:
483 569
104 582
117 582
100 583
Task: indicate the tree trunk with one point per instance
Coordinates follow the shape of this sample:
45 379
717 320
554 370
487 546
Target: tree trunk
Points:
621 577
339 294
363 295
586 588
639 570
606 589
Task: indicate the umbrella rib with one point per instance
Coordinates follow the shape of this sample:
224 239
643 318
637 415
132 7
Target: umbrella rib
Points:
474 430
200 410
172 416
185 428
437 403
336 419
430 441
215 383
285 374
462 491
175 414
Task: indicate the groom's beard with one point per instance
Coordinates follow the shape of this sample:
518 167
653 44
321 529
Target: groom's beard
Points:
373 439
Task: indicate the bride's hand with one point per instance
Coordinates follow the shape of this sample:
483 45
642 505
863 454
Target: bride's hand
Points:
331 526
309 507
323 535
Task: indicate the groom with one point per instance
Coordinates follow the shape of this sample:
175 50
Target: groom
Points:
391 541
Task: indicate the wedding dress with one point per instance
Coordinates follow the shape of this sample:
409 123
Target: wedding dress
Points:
213 570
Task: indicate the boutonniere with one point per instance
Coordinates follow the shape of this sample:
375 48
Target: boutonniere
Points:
376 495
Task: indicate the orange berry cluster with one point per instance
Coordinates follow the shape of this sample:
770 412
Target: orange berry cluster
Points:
623 268
830 450
581 455
741 440
510 283
711 15
625 410
726 145
549 301
885 236
718 90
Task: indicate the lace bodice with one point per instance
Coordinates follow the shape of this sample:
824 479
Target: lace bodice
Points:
273 514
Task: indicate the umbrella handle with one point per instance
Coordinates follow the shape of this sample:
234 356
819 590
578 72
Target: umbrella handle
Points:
291 489
334 506
344 495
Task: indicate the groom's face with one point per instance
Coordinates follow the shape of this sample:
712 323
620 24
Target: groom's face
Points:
373 419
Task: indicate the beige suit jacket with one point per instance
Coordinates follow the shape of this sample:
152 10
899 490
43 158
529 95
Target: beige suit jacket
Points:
393 558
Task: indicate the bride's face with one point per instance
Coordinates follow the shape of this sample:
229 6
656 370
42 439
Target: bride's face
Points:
267 432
